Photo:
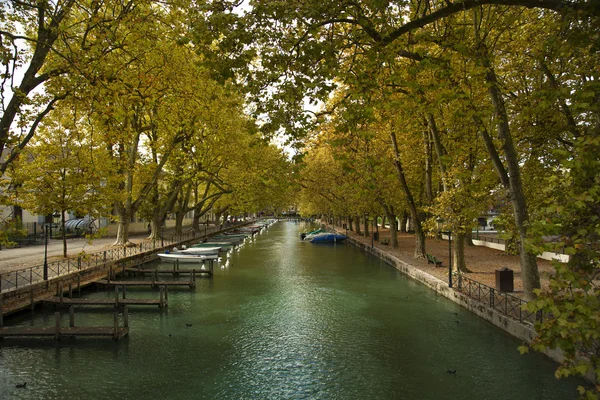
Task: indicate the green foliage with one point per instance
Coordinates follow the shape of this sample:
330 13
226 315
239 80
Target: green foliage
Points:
572 302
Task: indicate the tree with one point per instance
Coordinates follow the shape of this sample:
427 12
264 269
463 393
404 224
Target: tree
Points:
57 172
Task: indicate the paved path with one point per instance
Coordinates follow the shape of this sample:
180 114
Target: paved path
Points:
27 256
482 261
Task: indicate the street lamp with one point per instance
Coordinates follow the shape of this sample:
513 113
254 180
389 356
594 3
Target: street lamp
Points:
46 251
440 224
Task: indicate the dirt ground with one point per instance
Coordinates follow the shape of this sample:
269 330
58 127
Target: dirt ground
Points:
483 261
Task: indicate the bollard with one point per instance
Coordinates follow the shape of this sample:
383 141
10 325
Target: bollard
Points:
60 295
116 296
166 292
124 291
70 290
72 316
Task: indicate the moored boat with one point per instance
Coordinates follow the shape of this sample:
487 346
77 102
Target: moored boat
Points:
186 258
327 237
197 250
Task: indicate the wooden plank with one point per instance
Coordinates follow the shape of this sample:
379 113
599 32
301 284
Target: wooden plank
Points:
167 271
71 331
102 302
143 283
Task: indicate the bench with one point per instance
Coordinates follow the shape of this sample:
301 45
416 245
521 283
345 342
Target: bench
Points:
432 260
385 241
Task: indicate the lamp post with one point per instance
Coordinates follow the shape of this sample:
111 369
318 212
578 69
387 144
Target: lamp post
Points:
46 226
440 223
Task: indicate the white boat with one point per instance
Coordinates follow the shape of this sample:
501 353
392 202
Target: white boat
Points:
197 250
186 258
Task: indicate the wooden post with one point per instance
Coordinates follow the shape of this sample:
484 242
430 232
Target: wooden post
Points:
108 275
31 302
162 295
123 273
174 270
166 292
177 263
126 317
124 291
72 316
70 290
57 287
116 326
78 285
57 325
60 295
116 296
1 313
154 277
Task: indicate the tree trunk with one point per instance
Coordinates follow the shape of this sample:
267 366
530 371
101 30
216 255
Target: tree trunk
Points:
123 229
358 226
404 221
469 238
393 227
414 213
366 219
511 175
458 261
350 227
196 222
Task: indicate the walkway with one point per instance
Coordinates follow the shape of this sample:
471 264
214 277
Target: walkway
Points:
482 261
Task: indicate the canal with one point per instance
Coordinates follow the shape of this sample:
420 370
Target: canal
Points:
284 319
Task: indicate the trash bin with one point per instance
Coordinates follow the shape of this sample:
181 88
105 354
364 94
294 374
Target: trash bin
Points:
504 280
376 236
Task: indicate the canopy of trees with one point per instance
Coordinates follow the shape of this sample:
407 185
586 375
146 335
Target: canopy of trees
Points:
418 110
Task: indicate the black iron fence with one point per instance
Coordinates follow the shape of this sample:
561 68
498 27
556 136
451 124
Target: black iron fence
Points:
17 279
505 303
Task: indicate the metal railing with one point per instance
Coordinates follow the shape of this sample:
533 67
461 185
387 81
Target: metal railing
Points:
490 239
504 303
14 280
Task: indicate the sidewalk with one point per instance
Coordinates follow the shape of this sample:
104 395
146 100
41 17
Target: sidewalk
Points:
28 256
483 261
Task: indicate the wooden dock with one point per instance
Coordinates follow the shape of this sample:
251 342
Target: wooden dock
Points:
61 301
153 283
109 281
167 271
116 332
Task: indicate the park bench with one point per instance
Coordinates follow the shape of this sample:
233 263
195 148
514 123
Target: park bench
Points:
385 241
432 260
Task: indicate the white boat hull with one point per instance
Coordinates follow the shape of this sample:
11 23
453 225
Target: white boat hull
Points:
186 258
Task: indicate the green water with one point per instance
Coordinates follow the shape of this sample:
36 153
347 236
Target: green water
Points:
283 319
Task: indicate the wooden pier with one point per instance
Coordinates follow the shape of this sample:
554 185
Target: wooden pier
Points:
61 301
153 283
57 332
173 272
